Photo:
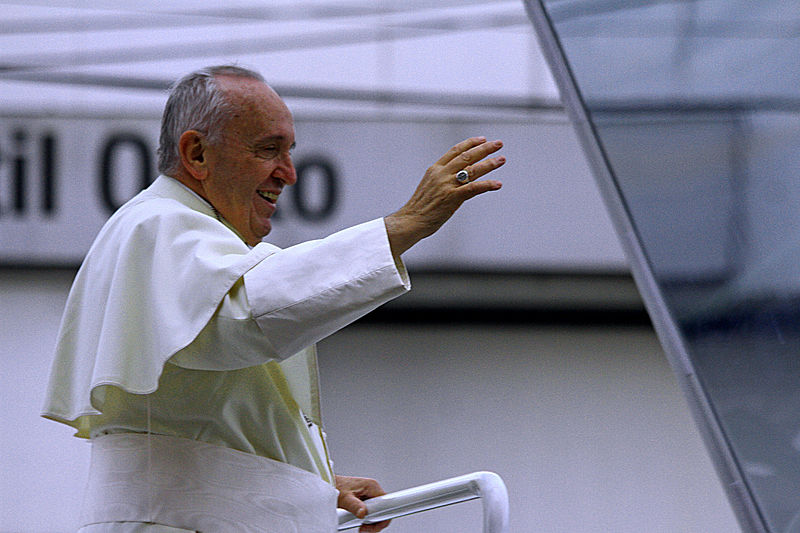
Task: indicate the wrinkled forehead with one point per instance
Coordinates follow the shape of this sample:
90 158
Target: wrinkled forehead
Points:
257 108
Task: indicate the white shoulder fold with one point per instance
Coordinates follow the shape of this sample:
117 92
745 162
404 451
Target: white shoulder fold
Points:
125 315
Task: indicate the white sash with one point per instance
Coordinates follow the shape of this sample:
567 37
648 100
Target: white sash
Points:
198 486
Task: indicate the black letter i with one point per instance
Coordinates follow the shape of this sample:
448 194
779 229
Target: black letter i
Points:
19 172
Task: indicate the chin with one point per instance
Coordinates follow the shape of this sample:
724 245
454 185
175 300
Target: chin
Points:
259 235
258 229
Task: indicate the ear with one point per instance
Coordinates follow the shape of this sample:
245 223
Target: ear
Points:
193 148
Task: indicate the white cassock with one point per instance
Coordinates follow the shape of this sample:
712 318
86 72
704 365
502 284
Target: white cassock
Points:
188 358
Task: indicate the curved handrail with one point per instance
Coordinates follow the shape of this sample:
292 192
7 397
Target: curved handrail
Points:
487 486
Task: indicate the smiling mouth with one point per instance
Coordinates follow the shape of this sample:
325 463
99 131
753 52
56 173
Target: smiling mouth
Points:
271 197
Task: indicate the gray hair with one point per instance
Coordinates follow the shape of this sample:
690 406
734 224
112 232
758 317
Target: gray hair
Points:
196 103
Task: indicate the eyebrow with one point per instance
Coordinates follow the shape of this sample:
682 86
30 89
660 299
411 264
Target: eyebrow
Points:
271 138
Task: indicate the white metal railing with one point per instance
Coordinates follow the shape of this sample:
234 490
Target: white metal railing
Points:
487 486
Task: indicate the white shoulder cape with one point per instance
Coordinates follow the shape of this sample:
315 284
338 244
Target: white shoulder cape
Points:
125 286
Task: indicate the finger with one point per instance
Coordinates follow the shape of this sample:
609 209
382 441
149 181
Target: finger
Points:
369 488
373 528
482 168
473 155
349 502
475 188
459 149
362 487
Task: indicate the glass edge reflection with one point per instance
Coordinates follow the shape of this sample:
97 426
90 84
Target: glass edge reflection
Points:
742 501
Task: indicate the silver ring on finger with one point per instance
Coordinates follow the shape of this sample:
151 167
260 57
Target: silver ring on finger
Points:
462 176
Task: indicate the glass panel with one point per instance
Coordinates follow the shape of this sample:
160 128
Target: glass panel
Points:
696 107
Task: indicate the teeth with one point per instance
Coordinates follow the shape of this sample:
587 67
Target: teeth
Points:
270 196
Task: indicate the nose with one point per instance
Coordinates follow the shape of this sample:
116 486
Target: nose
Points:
285 171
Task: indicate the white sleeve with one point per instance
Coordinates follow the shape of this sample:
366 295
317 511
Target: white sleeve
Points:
298 296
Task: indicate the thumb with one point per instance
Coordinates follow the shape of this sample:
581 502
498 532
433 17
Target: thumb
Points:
349 502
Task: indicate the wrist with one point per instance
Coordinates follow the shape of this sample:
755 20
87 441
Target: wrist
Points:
400 232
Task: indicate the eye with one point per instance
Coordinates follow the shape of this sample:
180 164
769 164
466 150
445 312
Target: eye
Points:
268 151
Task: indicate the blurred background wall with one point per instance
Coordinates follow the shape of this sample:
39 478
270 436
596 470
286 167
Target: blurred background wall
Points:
523 347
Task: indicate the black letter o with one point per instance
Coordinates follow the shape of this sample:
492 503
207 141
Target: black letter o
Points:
107 166
330 191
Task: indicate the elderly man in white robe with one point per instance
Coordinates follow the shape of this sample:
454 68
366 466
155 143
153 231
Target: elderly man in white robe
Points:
186 352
